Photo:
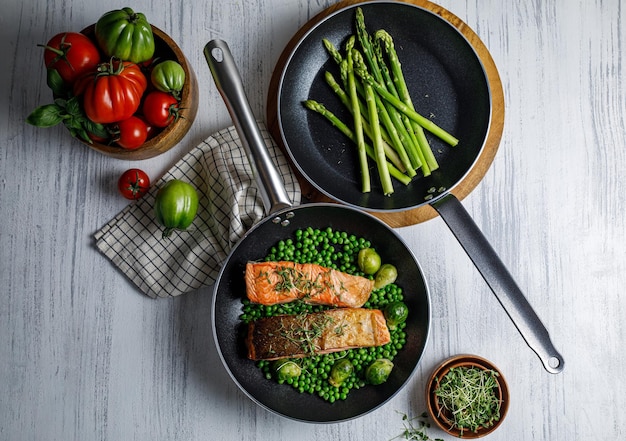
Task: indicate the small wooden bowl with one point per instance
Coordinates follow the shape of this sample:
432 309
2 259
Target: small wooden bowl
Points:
438 414
165 48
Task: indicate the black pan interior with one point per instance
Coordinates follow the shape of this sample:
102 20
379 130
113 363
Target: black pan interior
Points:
230 289
447 83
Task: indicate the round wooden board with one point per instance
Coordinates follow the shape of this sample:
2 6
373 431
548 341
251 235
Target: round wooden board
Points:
478 171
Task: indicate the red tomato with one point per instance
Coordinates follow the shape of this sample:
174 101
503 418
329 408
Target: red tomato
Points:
98 139
113 92
72 54
133 132
160 109
152 131
133 183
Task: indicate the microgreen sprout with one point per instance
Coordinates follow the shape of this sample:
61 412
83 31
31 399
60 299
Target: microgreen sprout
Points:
415 429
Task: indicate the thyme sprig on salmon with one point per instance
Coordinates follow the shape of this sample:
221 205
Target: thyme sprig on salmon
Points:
325 332
270 283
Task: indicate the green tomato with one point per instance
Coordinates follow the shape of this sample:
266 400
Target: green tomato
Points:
168 76
176 206
378 372
340 372
385 275
368 260
125 34
396 313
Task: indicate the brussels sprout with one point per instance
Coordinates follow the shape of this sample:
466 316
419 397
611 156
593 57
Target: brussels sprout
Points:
385 275
286 370
378 372
396 313
340 372
368 260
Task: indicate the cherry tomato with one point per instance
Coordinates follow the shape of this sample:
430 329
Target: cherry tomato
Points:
71 54
97 138
133 183
113 92
160 109
152 131
133 132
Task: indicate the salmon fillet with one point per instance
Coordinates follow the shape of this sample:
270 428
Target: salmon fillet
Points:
270 283
303 335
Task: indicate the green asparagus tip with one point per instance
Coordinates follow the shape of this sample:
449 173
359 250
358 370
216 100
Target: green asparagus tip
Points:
350 43
332 50
313 105
383 35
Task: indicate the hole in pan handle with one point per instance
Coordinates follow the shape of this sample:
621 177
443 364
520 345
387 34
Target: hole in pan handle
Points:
500 281
229 84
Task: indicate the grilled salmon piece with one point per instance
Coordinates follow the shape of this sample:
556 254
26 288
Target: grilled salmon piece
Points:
270 283
303 335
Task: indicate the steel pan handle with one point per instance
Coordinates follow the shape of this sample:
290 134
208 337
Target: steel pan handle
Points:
500 281
230 86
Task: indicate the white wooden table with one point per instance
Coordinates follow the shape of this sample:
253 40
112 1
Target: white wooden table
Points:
85 356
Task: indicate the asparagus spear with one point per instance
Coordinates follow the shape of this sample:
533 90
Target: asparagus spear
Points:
390 122
356 116
332 50
322 110
412 114
403 93
343 69
377 141
391 154
406 125
394 125
366 45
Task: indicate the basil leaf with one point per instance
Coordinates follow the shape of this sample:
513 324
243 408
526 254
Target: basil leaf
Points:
47 115
95 128
56 83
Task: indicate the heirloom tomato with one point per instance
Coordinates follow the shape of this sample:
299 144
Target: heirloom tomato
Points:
133 132
133 183
168 76
125 34
160 108
176 206
112 93
71 54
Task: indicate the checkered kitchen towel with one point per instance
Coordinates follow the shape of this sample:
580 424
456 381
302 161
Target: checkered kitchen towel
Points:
229 205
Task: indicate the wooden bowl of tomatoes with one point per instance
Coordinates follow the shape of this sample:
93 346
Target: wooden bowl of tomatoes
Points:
121 86
163 132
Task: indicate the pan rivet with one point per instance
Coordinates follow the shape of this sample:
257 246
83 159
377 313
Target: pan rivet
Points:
290 215
285 223
276 220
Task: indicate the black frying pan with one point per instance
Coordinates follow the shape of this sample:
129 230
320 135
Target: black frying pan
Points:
447 81
445 77
282 222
